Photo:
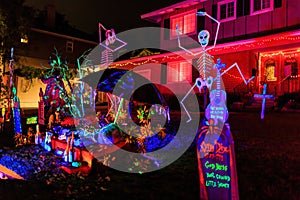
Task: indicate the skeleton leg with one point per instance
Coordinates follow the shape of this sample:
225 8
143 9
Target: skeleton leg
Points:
181 102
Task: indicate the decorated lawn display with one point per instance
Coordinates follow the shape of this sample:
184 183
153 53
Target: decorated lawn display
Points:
56 110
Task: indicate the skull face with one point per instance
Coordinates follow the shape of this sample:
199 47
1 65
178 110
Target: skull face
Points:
203 38
110 37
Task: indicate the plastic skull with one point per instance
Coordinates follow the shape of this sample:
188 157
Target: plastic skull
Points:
203 38
110 37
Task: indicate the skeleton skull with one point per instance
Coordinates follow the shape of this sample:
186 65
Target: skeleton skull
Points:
203 38
110 37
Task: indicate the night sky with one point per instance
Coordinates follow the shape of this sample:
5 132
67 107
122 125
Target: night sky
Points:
121 15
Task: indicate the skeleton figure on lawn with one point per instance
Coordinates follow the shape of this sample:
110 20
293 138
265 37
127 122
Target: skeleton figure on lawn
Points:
216 113
205 62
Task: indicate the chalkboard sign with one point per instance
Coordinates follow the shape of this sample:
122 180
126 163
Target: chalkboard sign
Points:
216 163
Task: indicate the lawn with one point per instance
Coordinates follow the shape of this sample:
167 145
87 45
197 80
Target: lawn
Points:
267 154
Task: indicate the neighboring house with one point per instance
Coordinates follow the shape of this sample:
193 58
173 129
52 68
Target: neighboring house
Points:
262 36
35 51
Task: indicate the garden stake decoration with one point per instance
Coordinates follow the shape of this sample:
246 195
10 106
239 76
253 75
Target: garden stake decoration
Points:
263 96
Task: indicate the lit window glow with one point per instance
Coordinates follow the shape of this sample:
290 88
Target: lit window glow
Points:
186 23
179 71
24 40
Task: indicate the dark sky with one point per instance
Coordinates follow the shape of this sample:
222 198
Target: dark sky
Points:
120 15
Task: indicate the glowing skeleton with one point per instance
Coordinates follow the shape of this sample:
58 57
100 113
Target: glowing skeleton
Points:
107 59
111 38
205 61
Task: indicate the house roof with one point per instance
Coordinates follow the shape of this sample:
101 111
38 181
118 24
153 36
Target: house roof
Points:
156 16
260 44
63 36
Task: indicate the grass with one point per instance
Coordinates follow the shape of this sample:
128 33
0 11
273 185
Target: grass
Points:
267 159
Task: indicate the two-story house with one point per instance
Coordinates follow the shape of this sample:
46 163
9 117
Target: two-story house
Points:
36 49
261 36
36 52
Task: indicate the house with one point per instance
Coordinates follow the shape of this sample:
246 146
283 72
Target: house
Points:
261 36
35 50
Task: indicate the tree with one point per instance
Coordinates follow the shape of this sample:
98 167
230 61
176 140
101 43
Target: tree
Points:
15 23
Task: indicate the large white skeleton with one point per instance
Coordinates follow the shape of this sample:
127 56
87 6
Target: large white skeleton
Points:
205 62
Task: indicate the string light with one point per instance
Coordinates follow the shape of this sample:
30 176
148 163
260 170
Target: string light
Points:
147 61
256 44
286 54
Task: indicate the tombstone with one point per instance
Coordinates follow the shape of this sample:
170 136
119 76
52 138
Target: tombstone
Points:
216 164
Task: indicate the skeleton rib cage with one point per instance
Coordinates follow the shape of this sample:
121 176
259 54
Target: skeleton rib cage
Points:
205 64
106 58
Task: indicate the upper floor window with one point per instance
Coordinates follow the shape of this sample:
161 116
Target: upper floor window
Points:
24 39
179 71
227 10
69 46
186 23
261 6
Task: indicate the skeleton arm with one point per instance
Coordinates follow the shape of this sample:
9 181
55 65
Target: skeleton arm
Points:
178 32
238 68
218 27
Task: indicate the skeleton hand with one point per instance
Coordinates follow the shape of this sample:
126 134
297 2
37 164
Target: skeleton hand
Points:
201 13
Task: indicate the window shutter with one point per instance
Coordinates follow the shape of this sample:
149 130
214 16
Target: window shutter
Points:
239 8
200 21
163 75
246 7
214 12
277 3
167 26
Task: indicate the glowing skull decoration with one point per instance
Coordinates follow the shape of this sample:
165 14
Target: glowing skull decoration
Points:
203 38
110 37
